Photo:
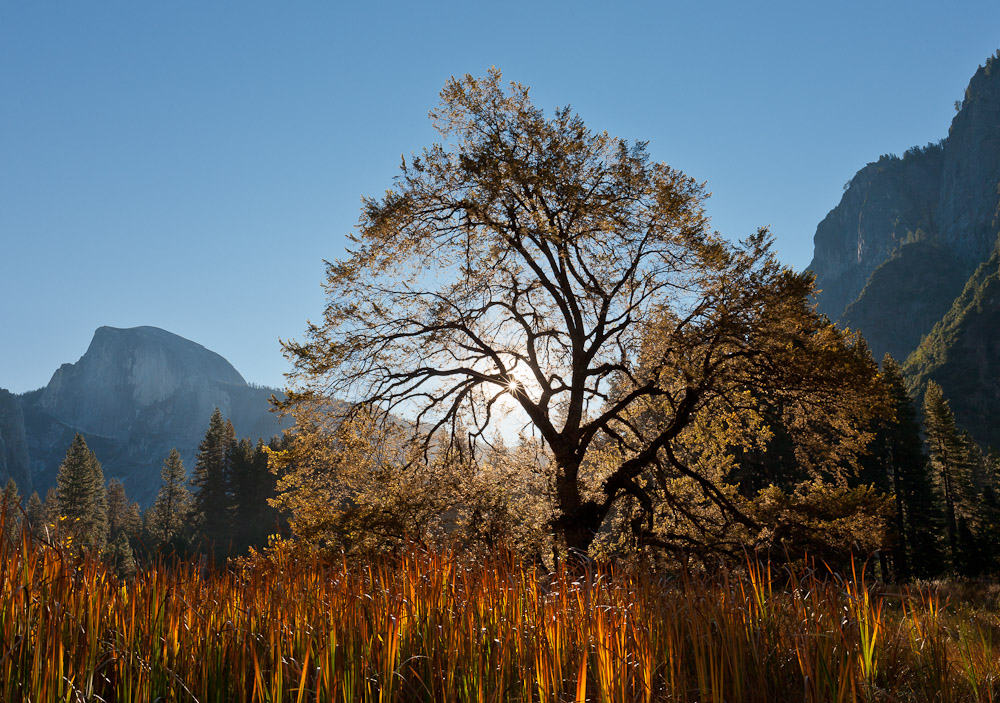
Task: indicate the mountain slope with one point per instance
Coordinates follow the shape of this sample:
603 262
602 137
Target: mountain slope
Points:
944 194
904 296
962 354
14 460
136 394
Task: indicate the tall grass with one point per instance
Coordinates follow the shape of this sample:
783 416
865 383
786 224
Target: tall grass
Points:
433 627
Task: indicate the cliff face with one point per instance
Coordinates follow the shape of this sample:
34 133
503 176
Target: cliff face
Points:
126 370
136 394
14 460
967 203
884 203
904 296
945 195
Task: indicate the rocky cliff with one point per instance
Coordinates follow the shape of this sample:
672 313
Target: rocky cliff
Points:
904 296
14 460
944 194
886 204
908 258
136 394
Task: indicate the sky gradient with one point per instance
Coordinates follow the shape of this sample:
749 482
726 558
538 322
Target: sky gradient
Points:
190 165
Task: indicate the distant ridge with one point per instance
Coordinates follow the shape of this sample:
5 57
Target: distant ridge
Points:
135 394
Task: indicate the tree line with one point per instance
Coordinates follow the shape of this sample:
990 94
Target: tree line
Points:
222 509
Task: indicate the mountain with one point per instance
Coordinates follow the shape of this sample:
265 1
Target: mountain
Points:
14 460
918 281
942 196
962 354
134 395
901 257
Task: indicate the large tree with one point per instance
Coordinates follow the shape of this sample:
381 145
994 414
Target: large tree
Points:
83 505
212 498
897 465
953 470
171 513
530 263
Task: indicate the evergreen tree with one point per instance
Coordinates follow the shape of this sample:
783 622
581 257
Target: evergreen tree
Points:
951 467
36 515
252 485
918 512
10 502
989 536
122 514
119 555
212 502
172 509
124 526
51 507
83 504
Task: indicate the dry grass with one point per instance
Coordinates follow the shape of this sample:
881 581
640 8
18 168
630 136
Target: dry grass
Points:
430 627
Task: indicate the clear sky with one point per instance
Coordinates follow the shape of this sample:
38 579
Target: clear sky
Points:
189 165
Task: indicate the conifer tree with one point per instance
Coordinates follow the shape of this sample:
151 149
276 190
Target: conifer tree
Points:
119 555
951 467
918 512
82 501
124 523
212 502
10 501
172 509
123 514
51 508
252 485
36 515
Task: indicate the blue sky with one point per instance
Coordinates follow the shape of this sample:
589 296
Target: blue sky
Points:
189 165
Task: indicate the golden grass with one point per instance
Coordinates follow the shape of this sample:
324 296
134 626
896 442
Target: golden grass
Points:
432 627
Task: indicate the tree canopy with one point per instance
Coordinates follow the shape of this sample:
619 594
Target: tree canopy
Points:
531 264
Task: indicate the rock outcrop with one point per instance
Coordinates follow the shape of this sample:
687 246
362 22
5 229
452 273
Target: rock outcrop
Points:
886 203
134 395
14 460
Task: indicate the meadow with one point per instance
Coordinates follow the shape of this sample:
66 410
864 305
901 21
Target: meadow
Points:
434 626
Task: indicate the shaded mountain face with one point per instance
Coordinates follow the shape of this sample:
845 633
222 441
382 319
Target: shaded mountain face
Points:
909 258
134 395
884 203
14 460
962 355
943 194
904 296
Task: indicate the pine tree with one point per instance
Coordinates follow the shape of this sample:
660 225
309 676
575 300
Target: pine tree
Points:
36 515
123 514
83 507
51 507
171 511
10 503
951 467
918 512
212 500
119 555
252 484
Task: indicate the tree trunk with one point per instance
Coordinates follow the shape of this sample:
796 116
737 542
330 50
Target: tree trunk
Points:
578 520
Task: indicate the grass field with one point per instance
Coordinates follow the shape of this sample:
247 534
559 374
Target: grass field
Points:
432 627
